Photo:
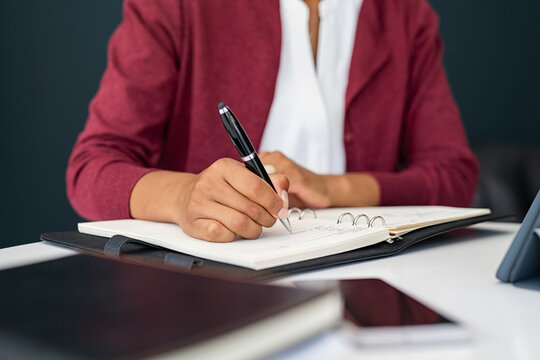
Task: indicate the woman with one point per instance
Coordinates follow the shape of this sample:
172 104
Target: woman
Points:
348 101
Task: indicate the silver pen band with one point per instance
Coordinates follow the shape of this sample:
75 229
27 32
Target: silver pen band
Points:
249 157
223 110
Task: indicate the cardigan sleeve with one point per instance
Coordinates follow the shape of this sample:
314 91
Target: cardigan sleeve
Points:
123 135
439 167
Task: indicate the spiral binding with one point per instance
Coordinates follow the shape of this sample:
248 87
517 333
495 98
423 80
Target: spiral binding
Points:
301 212
370 222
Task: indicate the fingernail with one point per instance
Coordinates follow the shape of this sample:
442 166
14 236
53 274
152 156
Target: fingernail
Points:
270 169
285 198
283 213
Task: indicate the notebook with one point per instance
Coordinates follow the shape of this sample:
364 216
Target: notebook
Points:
85 307
315 234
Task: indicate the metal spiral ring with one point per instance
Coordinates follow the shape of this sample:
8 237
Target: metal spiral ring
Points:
294 210
340 218
305 211
372 221
361 216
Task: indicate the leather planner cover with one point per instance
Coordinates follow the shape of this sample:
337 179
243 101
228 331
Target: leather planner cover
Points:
138 252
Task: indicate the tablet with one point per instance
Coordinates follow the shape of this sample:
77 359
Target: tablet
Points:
377 314
522 261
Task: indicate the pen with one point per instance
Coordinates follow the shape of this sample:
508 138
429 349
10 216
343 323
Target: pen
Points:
245 149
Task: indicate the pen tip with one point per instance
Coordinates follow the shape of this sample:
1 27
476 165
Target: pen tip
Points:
287 224
221 106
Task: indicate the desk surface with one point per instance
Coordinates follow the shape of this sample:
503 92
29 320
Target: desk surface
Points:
453 274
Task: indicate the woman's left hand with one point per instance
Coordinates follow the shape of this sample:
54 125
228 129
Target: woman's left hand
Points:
307 189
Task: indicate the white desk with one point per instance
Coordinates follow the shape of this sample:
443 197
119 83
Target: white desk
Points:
455 275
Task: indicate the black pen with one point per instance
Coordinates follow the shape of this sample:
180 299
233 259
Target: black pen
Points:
245 149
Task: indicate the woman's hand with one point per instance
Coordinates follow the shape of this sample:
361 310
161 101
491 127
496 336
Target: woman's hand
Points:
308 189
223 201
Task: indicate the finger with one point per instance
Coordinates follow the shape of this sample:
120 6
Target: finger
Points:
273 156
234 220
256 190
281 183
230 197
262 193
279 162
265 157
209 230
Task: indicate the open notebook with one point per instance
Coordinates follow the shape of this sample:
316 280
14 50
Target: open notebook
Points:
312 237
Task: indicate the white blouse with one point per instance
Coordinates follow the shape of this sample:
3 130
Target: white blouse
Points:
306 118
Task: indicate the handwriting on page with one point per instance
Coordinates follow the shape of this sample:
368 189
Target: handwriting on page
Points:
317 234
305 232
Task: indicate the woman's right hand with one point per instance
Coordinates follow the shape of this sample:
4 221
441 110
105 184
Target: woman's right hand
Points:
222 202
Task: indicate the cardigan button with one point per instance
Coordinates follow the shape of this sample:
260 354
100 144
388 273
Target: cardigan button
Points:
348 138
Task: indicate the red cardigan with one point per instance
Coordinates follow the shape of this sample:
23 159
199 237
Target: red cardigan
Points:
170 62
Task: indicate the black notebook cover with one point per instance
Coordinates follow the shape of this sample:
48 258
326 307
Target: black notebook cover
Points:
86 307
138 252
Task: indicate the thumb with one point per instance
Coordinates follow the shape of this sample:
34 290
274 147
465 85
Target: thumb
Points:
281 183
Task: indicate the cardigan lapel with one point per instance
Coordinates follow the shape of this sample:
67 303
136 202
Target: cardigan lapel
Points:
266 19
370 51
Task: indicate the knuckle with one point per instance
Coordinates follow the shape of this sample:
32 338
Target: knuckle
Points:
218 164
257 231
254 188
252 232
221 164
214 231
239 222
254 211
281 180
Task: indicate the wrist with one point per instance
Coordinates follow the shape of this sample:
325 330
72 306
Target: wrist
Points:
353 189
337 187
156 195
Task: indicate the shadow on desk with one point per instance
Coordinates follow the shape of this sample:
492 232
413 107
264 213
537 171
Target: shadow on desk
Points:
530 284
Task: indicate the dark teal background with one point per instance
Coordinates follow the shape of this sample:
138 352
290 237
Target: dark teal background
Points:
53 54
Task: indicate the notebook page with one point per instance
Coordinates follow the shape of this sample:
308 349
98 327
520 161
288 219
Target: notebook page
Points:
307 234
311 238
406 217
